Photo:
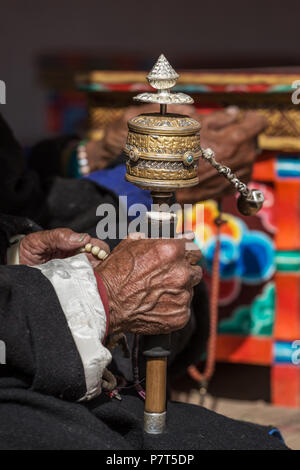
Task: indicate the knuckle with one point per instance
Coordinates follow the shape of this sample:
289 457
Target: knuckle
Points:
238 135
186 297
169 249
182 275
62 233
181 320
197 275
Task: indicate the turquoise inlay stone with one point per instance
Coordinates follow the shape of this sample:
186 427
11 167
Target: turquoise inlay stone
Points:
190 159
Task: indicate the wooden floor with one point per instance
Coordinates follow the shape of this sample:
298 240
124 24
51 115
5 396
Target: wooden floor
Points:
286 419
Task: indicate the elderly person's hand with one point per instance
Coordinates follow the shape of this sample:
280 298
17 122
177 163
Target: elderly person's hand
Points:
233 140
40 247
150 284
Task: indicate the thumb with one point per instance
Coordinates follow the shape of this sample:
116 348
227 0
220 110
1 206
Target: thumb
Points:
66 239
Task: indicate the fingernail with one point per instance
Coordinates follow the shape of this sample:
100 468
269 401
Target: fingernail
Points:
78 237
233 110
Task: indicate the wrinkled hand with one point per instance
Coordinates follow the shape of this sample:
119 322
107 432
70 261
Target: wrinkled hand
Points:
233 140
150 284
40 247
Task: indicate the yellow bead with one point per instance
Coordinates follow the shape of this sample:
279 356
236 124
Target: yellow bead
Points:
102 254
88 247
95 250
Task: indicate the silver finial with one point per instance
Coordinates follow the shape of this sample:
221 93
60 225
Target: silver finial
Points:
163 77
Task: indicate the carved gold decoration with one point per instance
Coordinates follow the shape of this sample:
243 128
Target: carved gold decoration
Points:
282 123
188 158
283 132
164 146
101 116
164 125
157 170
133 154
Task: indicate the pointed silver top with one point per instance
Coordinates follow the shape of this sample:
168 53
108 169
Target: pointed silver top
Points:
163 77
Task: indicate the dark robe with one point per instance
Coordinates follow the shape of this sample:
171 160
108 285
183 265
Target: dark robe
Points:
44 377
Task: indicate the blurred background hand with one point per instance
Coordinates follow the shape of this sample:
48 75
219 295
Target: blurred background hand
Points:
232 136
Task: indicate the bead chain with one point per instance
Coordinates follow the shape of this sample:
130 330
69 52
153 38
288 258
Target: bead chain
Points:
95 250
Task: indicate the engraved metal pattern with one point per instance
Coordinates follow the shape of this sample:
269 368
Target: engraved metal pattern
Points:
175 124
251 197
163 77
154 423
162 170
167 98
209 155
133 154
188 158
163 145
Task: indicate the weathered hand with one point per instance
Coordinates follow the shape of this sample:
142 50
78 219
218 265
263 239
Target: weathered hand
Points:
40 247
150 284
233 140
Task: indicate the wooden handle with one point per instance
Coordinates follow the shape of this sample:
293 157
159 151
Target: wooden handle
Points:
157 348
156 373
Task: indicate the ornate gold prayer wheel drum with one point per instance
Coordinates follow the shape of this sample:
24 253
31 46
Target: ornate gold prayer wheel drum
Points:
163 151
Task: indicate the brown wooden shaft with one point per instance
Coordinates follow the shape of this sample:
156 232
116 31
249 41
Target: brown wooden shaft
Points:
156 373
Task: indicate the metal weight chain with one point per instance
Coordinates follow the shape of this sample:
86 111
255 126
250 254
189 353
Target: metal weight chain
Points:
209 155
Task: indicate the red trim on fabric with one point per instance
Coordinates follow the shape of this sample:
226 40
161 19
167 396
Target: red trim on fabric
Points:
103 295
